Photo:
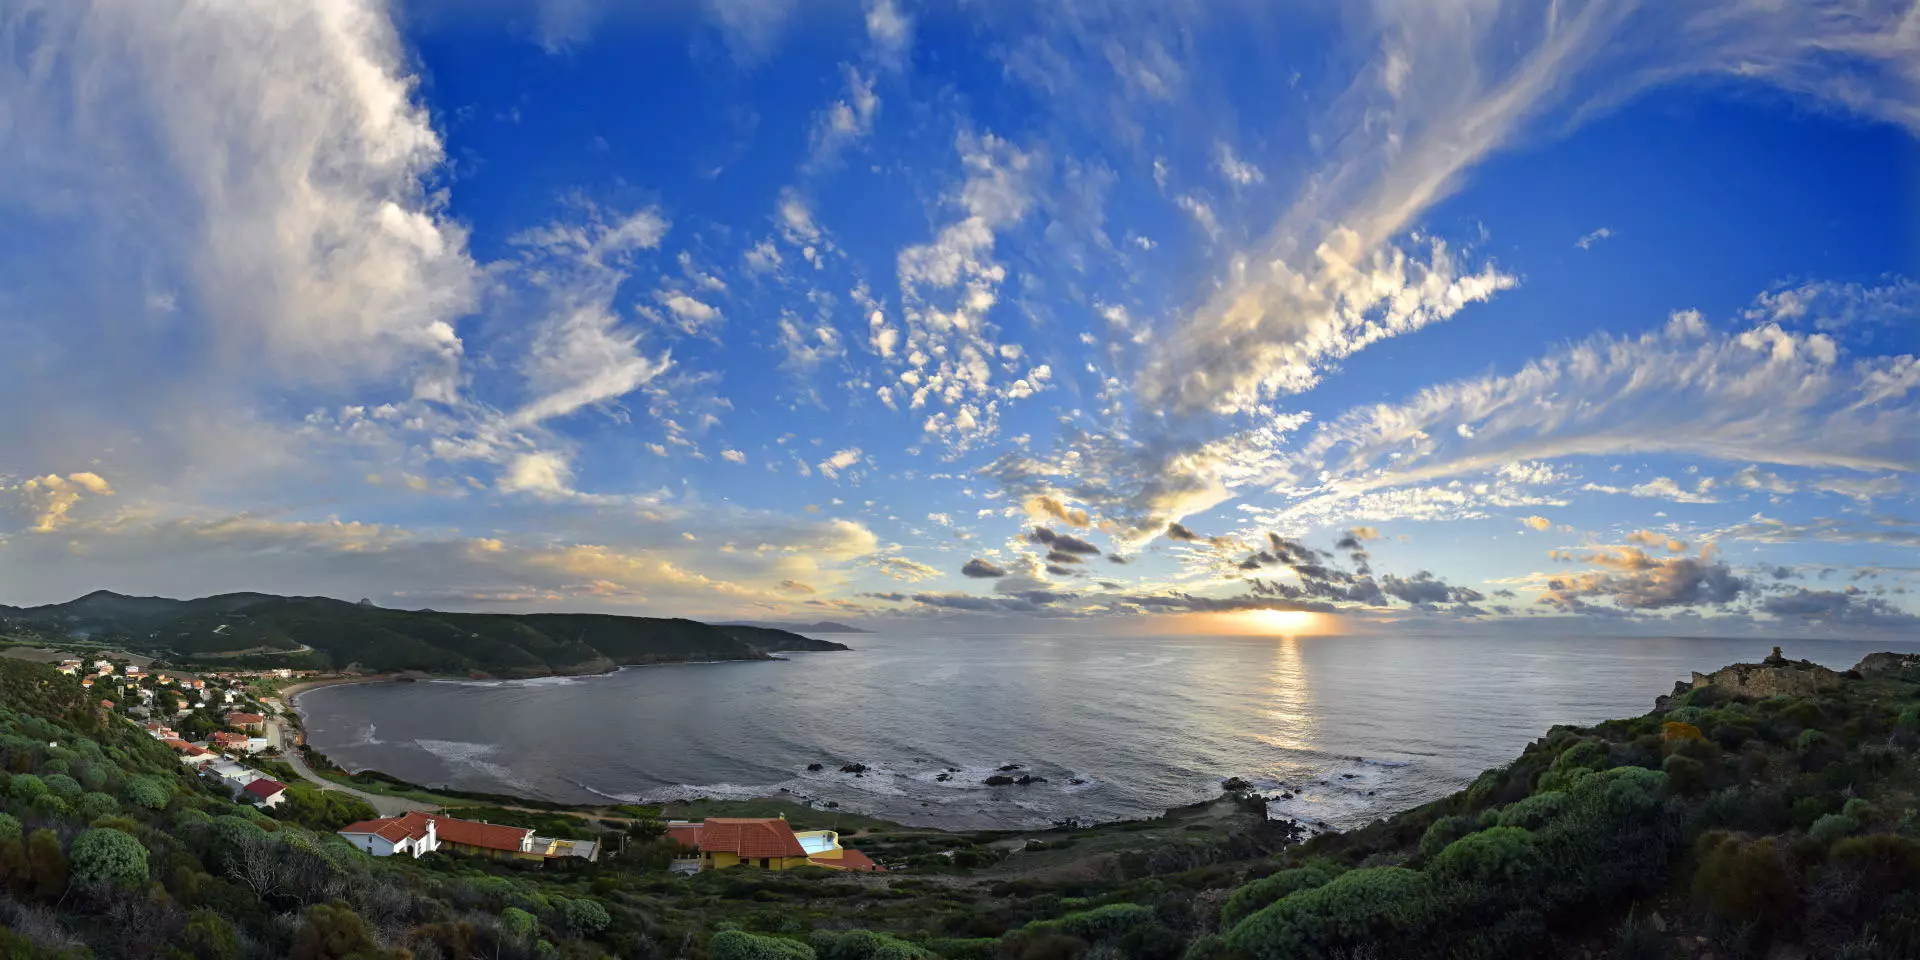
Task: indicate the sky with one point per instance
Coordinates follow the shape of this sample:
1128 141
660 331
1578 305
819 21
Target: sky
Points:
1389 315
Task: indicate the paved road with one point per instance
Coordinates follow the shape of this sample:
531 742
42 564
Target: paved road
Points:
385 805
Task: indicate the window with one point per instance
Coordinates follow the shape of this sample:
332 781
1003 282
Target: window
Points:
763 863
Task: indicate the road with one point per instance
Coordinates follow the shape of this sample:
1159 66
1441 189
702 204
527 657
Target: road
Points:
386 806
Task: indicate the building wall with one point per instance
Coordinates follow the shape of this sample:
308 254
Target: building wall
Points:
718 861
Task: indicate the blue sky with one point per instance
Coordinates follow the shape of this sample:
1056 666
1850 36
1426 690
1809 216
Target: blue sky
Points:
1581 316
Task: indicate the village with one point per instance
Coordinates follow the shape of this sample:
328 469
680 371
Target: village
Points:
217 722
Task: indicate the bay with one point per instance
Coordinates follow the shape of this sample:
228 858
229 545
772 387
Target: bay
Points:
1354 727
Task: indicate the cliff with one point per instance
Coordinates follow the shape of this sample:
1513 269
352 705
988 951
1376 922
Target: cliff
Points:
1776 676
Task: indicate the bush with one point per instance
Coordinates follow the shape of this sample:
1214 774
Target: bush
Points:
26 788
93 806
1534 812
1832 827
1445 831
1100 923
107 858
1745 881
1386 907
208 936
519 924
1256 895
739 945
866 945
1503 857
150 792
585 918
1685 775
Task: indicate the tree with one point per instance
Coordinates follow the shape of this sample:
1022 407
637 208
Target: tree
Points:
46 864
584 917
335 932
208 936
108 858
150 792
739 945
519 924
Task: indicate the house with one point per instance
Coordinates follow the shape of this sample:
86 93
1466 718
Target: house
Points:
419 833
769 843
106 704
265 792
252 722
87 682
413 834
69 667
133 671
228 740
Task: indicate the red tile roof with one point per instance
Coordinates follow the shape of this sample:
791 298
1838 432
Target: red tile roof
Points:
770 837
224 738
685 834
413 824
265 789
242 719
491 836
849 859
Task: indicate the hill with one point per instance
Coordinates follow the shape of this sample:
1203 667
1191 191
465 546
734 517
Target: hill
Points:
823 626
323 633
1766 810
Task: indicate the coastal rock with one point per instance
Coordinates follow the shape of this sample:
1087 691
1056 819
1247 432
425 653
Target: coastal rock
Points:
1074 781
1029 780
1009 768
943 778
999 780
854 768
1773 677
1883 663
816 767
1235 785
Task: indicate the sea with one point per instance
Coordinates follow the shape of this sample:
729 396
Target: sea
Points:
1338 730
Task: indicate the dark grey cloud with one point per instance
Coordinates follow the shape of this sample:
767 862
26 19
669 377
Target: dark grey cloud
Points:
1633 580
1425 588
1178 531
1851 607
1057 556
1062 542
983 569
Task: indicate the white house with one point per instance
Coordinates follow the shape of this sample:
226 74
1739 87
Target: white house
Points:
412 834
265 792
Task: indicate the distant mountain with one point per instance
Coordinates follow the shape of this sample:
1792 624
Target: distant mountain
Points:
323 633
824 626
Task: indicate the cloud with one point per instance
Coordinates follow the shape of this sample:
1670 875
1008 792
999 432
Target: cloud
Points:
1541 524
1177 531
690 315
751 28
1586 242
1751 477
983 569
1043 506
545 474
844 121
1765 529
840 461
901 568
1850 607
1666 488
1633 580
49 499
733 456
1061 543
1236 171
890 33
1648 538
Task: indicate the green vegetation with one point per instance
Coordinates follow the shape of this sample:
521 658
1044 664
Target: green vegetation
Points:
249 630
1745 827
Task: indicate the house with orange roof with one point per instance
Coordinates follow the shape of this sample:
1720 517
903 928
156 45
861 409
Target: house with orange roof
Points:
252 722
417 833
769 843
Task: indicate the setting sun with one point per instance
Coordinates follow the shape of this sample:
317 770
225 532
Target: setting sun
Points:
1271 623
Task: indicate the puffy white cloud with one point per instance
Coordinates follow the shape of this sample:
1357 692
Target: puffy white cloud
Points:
690 315
1539 523
889 32
733 456
544 474
841 460
1665 488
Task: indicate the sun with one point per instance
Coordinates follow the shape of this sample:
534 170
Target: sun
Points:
1280 622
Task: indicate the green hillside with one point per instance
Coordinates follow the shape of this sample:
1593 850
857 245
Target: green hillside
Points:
322 633
1773 813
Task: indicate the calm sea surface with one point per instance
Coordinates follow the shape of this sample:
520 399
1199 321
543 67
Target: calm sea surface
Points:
1354 727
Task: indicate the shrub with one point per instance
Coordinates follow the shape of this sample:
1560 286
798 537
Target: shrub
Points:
26 787
150 792
1685 775
93 806
1501 857
1745 881
739 945
1383 906
208 936
1673 731
1534 812
9 827
1832 827
865 945
1100 923
519 924
107 858
46 864
63 786
1266 890
586 918
1444 831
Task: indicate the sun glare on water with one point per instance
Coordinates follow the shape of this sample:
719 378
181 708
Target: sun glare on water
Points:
1275 623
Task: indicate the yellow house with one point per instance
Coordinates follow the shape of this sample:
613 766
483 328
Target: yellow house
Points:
768 843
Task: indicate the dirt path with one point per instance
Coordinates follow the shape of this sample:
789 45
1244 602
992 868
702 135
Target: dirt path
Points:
386 806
